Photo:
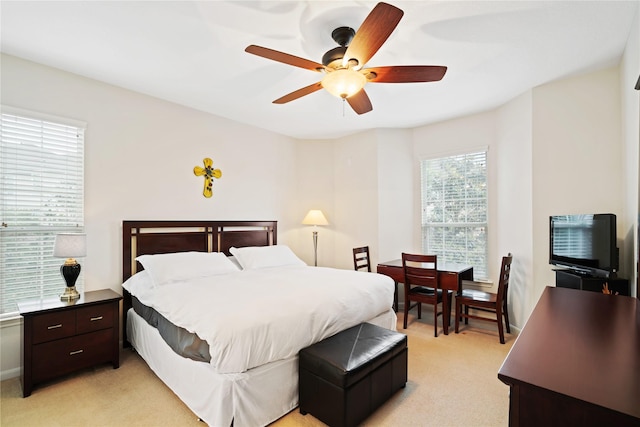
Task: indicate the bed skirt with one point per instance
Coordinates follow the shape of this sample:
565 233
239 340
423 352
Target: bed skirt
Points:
253 398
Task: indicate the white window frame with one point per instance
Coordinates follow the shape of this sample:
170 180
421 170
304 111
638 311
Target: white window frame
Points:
41 195
438 229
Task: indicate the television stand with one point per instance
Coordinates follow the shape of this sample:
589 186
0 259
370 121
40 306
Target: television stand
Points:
573 280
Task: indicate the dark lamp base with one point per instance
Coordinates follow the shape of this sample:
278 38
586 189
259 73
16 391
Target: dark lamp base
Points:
70 272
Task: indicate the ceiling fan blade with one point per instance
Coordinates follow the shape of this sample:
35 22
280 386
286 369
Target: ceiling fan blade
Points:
299 93
405 73
360 102
372 34
285 58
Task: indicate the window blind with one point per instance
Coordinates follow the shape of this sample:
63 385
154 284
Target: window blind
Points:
41 195
454 209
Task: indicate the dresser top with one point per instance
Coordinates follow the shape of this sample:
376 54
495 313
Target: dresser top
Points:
35 306
585 345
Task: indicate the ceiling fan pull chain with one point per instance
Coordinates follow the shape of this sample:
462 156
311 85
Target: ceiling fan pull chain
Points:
343 102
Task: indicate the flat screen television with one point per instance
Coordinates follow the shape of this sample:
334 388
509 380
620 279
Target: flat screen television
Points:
584 243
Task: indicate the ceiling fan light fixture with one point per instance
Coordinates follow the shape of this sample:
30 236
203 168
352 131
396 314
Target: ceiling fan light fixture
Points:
343 83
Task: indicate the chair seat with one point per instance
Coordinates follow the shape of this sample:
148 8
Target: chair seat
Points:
427 292
475 295
424 290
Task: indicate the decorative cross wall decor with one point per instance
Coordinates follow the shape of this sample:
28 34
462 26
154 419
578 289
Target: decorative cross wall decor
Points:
209 173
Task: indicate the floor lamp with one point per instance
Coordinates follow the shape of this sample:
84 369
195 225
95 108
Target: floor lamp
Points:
315 217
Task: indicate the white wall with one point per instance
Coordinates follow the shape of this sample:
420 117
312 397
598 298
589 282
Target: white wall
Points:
577 153
396 191
356 196
506 134
364 185
140 154
629 73
513 222
471 133
314 167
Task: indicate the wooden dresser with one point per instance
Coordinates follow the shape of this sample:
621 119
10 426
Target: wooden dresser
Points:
576 362
62 337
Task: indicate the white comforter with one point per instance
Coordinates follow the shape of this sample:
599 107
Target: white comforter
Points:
253 317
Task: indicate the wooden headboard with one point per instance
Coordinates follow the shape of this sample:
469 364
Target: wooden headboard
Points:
159 237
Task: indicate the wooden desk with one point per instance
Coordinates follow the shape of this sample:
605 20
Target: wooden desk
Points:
450 277
576 362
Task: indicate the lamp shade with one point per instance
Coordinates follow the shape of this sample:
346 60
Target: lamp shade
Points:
343 83
70 245
315 217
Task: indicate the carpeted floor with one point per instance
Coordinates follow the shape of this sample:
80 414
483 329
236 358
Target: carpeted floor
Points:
452 382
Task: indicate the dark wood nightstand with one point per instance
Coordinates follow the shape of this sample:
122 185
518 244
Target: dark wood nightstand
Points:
61 337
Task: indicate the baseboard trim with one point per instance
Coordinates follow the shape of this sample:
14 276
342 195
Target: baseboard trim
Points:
9 373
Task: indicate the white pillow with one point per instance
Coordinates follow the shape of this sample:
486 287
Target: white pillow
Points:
254 257
180 266
139 283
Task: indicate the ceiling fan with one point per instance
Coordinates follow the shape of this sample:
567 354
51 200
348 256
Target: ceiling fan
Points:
344 75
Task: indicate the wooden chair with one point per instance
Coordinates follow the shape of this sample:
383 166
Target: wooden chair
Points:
486 301
421 286
361 258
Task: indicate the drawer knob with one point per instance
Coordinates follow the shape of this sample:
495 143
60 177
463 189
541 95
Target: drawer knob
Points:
93 319
71 353
59 325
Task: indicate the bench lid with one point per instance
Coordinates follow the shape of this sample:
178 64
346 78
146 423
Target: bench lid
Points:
350 355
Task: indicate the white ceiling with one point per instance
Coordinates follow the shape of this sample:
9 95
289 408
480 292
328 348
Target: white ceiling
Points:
192 53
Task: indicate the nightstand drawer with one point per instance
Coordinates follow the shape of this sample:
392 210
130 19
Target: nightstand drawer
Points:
52 326
94 318
60 357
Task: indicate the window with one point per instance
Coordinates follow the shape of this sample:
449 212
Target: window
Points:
454 210
41 194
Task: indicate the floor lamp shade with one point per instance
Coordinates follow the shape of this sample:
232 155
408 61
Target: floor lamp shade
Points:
70 246
315 217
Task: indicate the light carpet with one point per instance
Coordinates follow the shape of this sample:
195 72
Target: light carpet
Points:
452 382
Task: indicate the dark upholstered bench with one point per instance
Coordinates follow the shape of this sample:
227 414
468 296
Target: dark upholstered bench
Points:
346 377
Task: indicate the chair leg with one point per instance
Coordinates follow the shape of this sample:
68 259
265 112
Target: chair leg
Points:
458 314
406 313
466 314
419 310
506 315
500 327
395 296
435 319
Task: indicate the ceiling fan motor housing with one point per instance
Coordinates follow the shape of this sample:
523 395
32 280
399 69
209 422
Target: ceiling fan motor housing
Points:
333 57
342 36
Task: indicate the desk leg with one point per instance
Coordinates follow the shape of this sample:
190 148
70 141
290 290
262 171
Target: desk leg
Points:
446 311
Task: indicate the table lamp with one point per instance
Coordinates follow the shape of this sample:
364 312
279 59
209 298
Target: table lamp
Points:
70 246
315 217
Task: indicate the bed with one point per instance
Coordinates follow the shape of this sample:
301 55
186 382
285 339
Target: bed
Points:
252 319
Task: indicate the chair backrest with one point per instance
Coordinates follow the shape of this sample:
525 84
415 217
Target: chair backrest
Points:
361 258
505 272
421 270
